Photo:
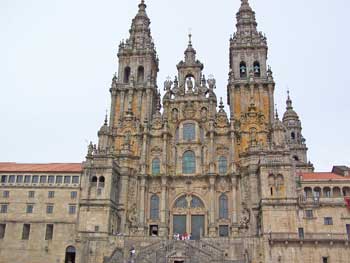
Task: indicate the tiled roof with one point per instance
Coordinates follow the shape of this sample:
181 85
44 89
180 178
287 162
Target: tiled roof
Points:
322 176
47 167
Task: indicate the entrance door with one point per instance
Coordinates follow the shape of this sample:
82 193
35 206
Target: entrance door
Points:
348 230
179 224
197 226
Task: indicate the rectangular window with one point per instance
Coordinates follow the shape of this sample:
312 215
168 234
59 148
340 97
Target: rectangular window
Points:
325 260
30 209
12 179
72 209
35 179
223 231
328 221
51 194
51 179
31 194
59 179
19 179
26 232
75 179
4 179
43 179
301 232
348 230
49 232
49 209
73 195
309 214
67 179
2 230
6 194
27 179
189 132
3 208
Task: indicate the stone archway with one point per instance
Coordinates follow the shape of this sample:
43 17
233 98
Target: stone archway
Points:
189 216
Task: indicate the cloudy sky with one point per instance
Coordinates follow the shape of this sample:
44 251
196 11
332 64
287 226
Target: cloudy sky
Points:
57 59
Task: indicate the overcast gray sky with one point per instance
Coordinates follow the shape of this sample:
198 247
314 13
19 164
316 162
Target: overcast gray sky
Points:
57 59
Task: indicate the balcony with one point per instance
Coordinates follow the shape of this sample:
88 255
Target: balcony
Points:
309 237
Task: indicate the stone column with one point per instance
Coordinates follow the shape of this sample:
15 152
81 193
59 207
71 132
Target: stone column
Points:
212 227
272 103
163 231
123 201
234 199
122 99
113 109
142 203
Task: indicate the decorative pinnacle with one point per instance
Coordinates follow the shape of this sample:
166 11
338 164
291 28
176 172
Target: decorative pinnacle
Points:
289 101
106 118
221 106
142 5
276 114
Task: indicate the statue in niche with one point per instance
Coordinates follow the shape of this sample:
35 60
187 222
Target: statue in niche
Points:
253 140
132 215
204 113
189 83
175 115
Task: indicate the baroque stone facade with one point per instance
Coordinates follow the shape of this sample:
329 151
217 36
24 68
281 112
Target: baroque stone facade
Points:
240 183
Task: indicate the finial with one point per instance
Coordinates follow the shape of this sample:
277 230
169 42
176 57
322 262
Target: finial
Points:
142 5
221 106
106 118
276 112
289 101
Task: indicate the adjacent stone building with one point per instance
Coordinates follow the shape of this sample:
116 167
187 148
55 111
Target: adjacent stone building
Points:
239 182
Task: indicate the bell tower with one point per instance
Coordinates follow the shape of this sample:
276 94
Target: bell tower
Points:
251 85
134 89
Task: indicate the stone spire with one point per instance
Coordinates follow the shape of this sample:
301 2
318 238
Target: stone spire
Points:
246 21
247 33
290 114
190 52
140 32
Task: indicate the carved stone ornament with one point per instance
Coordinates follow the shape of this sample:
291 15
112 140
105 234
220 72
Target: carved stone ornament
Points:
132 215
189 110
223 186
245 219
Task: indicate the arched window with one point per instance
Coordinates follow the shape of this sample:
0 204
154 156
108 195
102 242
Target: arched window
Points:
223 207
189 132
181 202
94 181
196 202
222 165
127 72
101 182
189 163
336 192
292 135
257 70
308 192
280 180
317 192
243 69
327 192
155 166
70 255
154 207
140 74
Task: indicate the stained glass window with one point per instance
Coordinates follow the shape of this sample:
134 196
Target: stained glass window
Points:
223 207
196 202
181 202
154 210
222 165
156 166
189 163
189 132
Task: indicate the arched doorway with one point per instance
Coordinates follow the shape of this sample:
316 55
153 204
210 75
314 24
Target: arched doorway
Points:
70 255
189 216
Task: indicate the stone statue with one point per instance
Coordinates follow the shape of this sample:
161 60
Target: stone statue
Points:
132 215
189 84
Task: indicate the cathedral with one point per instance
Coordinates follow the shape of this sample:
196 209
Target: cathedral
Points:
176 178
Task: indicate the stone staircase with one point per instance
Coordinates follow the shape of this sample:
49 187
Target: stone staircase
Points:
169 251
